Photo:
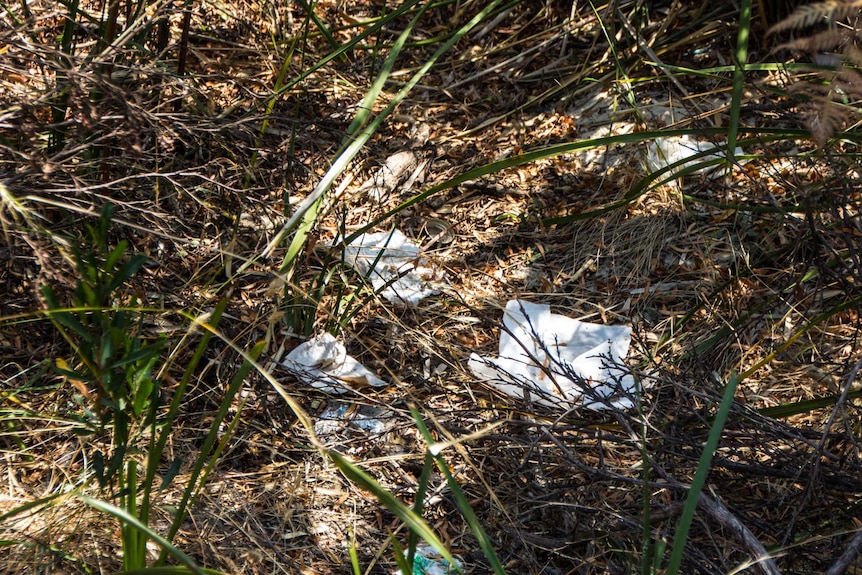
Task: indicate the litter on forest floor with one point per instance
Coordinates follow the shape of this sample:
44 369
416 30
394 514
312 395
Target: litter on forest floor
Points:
426 561
339 415
666 151
394 265
322 362
557 361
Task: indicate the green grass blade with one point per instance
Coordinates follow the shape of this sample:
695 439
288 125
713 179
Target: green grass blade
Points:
413 521
42 501
294 405
60 104
649 550
463 504
373 29
353 143
271 101
738 77
134 545
419 503
206 455
354 555
763 134
324 30
127 519
158 448
405 565
805 406
684 525
344 159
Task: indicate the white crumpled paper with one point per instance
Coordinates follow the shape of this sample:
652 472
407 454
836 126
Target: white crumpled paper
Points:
666 151
340 415
322 362
392 260
557 361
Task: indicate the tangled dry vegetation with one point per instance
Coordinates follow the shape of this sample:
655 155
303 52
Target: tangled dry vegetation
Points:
756 272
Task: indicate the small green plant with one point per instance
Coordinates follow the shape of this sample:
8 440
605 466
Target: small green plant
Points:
412 515
105 335
115 367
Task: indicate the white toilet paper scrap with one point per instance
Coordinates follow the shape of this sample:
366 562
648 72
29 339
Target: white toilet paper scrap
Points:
392 258
322 362
666 151
341 415
557 361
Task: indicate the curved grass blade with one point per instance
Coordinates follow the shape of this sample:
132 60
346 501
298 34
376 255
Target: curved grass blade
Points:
132 521
347 46
697 483
805 406
42 501
738 77
463 503
405 564
207 457
763 134
419 503
350 152
308 210
309 11
157 446
413 521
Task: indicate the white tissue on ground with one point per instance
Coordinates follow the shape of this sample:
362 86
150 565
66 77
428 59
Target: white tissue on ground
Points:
666 151
322 362
557 361
392 260
340 415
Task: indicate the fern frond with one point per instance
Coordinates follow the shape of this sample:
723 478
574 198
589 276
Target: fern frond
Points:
848 80
814 90
825 41
854 55
819 12
827 119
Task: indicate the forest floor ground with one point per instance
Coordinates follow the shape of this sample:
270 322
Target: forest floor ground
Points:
741 272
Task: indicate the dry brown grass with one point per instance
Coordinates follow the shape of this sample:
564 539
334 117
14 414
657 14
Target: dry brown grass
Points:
709 290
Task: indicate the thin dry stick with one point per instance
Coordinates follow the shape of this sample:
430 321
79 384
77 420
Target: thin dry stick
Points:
651 53
855 545
722 514
850 552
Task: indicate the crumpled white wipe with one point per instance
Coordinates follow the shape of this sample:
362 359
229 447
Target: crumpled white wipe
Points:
666 151
341 415
322 362
557 361
392 258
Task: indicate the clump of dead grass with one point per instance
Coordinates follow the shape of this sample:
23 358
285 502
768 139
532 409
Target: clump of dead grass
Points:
829 35
710 289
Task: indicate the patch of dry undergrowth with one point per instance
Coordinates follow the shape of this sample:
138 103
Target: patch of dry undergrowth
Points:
714 277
